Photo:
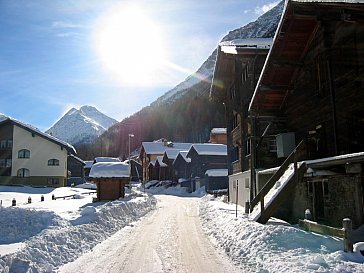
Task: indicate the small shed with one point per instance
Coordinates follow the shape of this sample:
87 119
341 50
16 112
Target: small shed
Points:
216 179
110 179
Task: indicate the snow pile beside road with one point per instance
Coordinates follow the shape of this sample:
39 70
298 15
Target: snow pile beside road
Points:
65 240
273 248
19 224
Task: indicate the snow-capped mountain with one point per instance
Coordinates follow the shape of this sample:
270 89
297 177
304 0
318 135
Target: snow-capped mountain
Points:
83 125
2 117
264 27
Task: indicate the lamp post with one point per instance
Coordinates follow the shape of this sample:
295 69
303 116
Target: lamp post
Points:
130 136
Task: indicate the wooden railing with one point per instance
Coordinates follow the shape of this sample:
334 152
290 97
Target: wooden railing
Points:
345 232
292 158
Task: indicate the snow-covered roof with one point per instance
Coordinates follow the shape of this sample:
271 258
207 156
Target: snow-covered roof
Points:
110 170
217 172
152 163
77 159
36 131
232 46
160 162
209 149
218 131
106 159
172 153
159 147
88 163
340 159
183 155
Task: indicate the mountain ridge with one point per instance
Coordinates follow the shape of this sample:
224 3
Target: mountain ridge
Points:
81 125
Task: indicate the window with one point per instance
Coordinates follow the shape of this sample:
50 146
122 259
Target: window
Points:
5 163
53 181
53 162
244 74
24 153
247 183
234 154
3 144
9 144
247 147
23 172
235 121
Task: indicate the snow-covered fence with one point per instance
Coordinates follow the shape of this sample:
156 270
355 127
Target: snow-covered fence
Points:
345 232
72 195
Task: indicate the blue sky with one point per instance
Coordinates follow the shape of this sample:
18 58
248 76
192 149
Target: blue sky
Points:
58 54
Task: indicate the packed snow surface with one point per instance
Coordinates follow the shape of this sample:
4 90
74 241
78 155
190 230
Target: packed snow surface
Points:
48 238
103 236
276 246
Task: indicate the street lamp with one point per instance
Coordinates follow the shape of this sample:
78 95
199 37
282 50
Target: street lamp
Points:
130 136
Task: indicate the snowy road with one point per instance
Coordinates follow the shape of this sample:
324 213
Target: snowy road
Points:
169 239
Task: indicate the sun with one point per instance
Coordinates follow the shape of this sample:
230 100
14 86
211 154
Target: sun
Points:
129 46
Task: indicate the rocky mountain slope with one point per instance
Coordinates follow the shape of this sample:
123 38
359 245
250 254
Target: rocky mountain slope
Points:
81 125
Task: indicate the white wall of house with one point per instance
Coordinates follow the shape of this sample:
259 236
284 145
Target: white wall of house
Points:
41 150
240 181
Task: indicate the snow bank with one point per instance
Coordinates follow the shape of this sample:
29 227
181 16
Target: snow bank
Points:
19 224
62 241
273 248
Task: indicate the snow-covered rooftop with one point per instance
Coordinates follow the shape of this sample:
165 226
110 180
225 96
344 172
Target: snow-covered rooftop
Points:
77 159
218 131
160 162
183 154
217 172
159 147
88 163
152 163
209 149
172 153
249 43
110 170
106 159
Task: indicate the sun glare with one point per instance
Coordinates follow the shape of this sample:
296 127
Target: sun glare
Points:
129 46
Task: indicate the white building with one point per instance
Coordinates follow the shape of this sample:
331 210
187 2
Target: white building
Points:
31 157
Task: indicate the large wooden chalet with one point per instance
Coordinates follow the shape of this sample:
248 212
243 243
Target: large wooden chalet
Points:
310 96
238 66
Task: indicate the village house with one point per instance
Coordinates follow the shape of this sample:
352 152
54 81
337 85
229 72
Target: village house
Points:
309 96
169 157
151 150
110 179
31 157
76 171
182 166
218 136
205 156
216 180
161 169
238 66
